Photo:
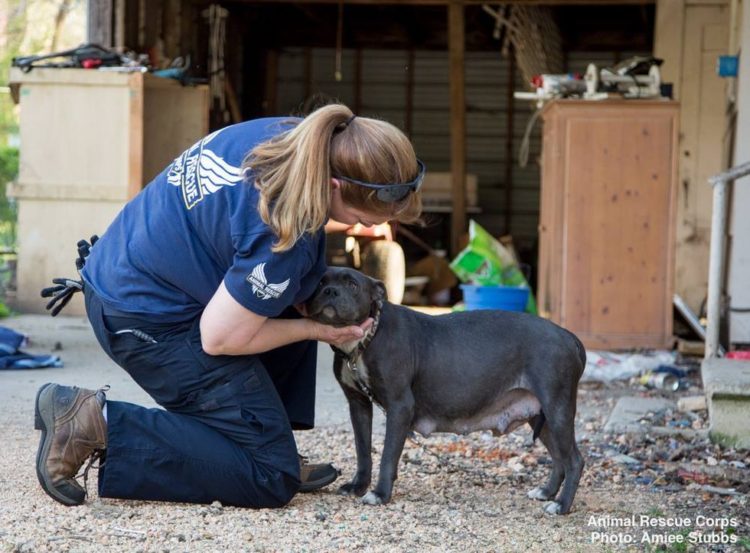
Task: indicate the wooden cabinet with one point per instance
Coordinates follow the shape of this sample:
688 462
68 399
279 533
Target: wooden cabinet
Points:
606 233
90 141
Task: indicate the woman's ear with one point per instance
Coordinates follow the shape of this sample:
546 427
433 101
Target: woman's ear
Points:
335 184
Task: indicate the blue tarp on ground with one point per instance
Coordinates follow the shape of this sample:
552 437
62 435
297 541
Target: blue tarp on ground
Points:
11 356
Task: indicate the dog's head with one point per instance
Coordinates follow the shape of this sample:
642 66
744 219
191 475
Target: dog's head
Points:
345 297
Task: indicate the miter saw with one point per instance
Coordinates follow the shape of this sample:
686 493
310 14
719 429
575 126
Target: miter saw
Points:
637 77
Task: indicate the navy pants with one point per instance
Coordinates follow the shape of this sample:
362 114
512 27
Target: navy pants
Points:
226 429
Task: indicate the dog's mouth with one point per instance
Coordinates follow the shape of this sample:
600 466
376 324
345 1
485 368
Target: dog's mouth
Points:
330 315
327 314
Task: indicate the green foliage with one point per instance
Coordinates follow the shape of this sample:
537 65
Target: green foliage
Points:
8 214
8 164
14 32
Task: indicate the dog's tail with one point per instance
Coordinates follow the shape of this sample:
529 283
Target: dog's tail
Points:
540 420
581 355
581 351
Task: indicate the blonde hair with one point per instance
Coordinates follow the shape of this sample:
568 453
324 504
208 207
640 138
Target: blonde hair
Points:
293 171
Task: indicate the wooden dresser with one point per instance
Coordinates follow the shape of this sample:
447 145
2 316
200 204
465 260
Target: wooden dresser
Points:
606 230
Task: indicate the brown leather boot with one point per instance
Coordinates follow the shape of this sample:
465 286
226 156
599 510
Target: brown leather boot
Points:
315 476
73 429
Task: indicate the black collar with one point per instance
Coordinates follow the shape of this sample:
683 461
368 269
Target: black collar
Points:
356 353
351 359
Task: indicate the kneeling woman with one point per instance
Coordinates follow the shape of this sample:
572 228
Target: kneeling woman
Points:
192 291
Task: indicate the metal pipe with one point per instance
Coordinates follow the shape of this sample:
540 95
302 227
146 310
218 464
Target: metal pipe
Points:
720 183
715 266
731 174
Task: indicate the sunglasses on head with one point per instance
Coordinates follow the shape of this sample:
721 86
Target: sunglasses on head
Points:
392 192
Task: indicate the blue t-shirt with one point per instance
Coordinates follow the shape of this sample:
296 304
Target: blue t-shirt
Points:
195 225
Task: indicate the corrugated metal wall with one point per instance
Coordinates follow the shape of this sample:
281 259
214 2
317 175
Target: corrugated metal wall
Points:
383 93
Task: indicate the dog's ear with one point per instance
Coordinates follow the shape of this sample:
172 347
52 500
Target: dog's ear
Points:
379 291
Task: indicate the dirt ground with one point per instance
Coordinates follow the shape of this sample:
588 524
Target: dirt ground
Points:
453 493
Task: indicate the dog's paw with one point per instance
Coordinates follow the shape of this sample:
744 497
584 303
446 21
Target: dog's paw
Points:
371 498
553 508
539 494
352 488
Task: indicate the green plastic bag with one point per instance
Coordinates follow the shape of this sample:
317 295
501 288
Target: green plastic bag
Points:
486 262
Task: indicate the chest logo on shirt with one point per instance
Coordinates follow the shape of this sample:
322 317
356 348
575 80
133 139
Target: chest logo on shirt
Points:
199 171
261 287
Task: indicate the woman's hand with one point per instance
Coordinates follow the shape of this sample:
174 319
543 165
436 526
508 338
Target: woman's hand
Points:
338 336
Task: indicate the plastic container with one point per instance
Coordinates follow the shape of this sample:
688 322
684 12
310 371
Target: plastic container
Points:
508 298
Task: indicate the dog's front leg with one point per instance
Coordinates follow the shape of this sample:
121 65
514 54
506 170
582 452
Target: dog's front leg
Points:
398 421
360 411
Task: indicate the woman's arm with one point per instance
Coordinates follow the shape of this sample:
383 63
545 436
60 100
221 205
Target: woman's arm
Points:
228 328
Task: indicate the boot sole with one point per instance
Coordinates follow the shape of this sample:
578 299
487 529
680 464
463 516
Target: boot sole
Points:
44 419
315 485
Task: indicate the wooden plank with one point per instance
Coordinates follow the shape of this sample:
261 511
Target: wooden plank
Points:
99 22
463 2
135 130
547 286
142 25
72 76
607 221
55 110
706 32
167 130
623 286
508 207
456 45
152 20
171 28
669 34
119 24
66 191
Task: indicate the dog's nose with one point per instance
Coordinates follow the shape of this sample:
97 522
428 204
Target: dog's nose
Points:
330 291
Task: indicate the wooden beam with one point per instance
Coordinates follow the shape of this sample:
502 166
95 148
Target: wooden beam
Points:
119 26
409 115
170 28
463 2
669 33
357 108
99 27
508 207
456 39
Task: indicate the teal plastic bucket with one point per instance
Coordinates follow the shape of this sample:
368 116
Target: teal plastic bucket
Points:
508 298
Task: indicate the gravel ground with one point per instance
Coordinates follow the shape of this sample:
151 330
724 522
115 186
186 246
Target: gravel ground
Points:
453 494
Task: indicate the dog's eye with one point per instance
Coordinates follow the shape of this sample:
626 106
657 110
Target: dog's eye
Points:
352 284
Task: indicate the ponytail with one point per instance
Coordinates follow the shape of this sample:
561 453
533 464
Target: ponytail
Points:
293 171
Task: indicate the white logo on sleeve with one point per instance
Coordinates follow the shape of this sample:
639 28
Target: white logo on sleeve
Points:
261 287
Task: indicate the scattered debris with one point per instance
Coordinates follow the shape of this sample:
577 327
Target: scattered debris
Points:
607 366
691 403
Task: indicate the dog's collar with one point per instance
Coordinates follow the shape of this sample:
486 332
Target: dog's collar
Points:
356 352
351 358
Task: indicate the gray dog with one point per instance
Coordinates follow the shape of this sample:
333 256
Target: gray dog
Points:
476 370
